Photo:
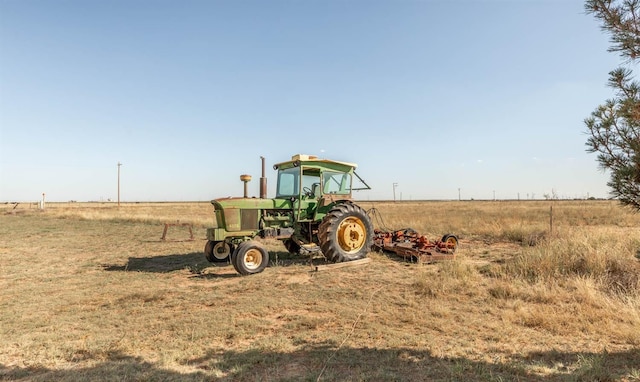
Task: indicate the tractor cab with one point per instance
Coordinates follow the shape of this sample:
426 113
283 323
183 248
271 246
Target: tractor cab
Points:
311 183
307 176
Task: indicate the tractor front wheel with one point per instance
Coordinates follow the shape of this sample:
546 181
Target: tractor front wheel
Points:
346 233
217 251
250 257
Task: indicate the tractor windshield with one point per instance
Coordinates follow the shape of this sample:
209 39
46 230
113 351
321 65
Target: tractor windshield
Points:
290 183
336 183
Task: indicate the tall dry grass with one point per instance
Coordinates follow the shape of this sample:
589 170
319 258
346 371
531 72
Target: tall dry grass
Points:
581 256
604 255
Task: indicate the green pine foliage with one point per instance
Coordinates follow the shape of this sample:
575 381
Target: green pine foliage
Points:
614 127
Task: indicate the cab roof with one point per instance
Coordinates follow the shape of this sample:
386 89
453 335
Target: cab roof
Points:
312 159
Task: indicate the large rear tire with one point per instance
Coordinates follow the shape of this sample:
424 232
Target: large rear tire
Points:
250 257
345 233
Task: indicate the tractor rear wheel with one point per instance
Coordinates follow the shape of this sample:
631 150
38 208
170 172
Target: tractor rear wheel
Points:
249 257
345 233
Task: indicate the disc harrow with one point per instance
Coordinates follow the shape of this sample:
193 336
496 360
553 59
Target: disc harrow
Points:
409 244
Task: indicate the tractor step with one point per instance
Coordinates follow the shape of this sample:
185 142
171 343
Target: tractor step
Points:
354 263
309 249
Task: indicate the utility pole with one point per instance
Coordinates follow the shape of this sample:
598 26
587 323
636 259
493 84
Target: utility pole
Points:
459 194
394 191
119 164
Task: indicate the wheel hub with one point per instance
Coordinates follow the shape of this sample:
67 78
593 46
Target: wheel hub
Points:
451 243
252 259
221 250
351 234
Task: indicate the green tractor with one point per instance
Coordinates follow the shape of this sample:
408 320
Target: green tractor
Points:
312 212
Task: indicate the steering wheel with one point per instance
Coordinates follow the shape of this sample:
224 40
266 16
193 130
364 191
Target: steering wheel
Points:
307 191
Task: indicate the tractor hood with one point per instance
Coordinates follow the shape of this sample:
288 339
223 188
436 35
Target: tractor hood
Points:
242 216
250 203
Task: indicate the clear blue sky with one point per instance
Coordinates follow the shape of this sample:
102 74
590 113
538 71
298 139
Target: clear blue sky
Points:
436 96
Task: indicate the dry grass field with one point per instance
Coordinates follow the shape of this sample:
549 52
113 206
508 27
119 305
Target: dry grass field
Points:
90 292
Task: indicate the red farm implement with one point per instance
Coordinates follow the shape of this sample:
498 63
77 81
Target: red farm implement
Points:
412 246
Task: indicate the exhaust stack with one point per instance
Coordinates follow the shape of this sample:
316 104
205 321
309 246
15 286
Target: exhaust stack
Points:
245 179
263 182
